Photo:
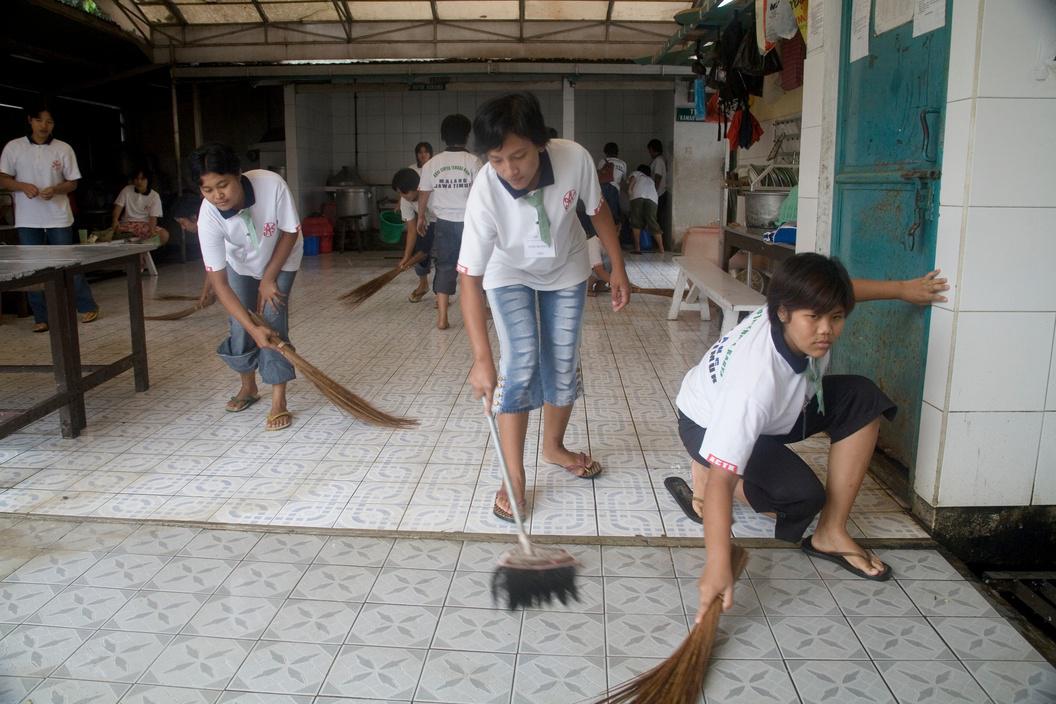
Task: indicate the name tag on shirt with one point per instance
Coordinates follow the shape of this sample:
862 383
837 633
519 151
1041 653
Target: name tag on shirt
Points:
535 248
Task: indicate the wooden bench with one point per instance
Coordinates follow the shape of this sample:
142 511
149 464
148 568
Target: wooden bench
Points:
706 281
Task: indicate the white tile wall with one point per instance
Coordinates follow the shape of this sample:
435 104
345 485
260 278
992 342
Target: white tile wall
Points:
809 161
1014 152
813 66
948 251
940 342
1001 361
964 34
807 226
314 144
989 459
1050 395
925 476
626 117
956 151
1045 475
1014 42
1018 245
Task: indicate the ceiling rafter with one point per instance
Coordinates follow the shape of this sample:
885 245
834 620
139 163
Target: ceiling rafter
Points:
345 16
520 18
175 11
608 18
260 11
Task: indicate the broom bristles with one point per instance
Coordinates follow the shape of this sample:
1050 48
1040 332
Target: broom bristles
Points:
350 403
177 315
176 297
368 289
680 678
666 292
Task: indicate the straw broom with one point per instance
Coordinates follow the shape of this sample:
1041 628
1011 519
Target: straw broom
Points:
365 291
680 678
665 292
354 405
204 300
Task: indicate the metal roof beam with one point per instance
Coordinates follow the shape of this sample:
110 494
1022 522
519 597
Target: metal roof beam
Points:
174 10
345 15
260 11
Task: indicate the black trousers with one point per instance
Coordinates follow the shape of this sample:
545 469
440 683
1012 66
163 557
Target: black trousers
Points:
776 479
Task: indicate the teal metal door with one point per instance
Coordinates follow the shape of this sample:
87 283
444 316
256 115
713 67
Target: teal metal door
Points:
885 204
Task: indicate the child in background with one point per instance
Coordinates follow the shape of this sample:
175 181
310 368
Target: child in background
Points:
643 207
141 206
405 182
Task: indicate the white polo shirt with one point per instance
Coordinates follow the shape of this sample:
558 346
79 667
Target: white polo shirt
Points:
225 238
409 211
448 177
501 237
619 169
642 186
43 165
139 207
748 384
659 168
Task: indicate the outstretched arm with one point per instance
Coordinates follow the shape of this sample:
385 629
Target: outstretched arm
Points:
921 291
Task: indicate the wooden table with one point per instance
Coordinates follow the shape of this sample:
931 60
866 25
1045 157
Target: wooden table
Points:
54 266
750 239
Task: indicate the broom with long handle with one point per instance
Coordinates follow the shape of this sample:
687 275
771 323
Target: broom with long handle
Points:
529 575
680 678
350 403
368 289
204 300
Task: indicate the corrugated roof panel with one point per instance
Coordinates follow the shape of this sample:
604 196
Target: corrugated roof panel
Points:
374 11
158 14
220 13
466 10
566 9
299 11
647 10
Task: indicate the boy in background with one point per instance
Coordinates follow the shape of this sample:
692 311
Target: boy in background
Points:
405 182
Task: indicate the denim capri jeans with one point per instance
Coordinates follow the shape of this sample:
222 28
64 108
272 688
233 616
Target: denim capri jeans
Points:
239 351
539 334
447 241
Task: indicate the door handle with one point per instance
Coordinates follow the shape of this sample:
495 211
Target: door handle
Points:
921 175
926 131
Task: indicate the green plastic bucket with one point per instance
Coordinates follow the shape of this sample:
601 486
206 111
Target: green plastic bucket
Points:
391 227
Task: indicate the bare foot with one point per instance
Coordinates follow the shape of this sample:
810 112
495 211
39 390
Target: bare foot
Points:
841 542
578 463
442 324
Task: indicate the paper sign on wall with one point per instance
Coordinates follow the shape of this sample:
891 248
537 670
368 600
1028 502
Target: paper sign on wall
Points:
816 24
860 29
928 16
891 14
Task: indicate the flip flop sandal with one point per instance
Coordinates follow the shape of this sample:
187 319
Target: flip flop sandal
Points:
40 327
683 496
840 558
415 297
90 316
278 416
504 515
243 402
590 467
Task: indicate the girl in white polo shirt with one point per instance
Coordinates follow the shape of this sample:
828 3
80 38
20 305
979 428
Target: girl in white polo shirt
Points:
525 247
41 171
250 236
761 387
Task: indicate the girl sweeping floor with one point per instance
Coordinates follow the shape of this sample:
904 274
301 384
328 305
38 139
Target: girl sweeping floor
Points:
761 387
251 245
525 247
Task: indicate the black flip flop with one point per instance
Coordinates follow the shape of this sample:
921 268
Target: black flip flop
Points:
840 558
683 496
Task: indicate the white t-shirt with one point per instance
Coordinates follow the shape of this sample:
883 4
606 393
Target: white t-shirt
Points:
642 186
409 211
226 240
619 169
43 165
448 177
139 207
594 251
748 384
659 168
501 238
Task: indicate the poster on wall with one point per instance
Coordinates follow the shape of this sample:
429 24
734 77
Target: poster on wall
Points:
816 25
889 14
860 29
928 16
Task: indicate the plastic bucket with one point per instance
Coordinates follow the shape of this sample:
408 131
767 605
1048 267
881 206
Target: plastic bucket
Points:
311 245
391 227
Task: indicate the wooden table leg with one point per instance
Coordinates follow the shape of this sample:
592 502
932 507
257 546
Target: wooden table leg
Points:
135 319
65 353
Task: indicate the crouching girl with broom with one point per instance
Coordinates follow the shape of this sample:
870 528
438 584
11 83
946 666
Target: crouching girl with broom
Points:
761 387
251 245
524 245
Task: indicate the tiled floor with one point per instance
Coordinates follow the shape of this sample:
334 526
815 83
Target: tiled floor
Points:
174 454
103 613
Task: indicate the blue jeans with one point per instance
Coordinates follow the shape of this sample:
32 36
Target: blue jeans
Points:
239 351
447 240
539 334
82 294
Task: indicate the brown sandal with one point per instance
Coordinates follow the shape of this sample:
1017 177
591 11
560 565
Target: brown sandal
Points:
503 514
586 468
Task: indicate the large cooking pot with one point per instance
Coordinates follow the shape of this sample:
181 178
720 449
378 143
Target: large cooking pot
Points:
352 201
761 207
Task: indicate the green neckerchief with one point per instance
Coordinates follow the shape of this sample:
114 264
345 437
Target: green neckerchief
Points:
815 381
247 218
536 199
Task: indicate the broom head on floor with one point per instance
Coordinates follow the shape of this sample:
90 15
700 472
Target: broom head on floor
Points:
177 315
680 678
350 403
535 578
665 292
365 291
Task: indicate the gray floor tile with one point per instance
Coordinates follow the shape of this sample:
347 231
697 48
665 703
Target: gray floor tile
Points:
816 637
1016 681
262 698
115 656
233 617
12 689
636 562
301 620
157 694
195 661
795 597
19 600
486 630
745 600
466 677
157 612
197 575
410 586
55 567
220 544
363 552
34 651
272 580
287 548
81 607
591 598
555 633
480 557
931 683
624 669
395 625
13 558
641 635
744 638
285 668
947 598
839 681
335 583
749 682
63 691
918 564
896 638
375 673
984 639
780 564
157 540
123 571
424 554
689 562
642 595
550 679
861 597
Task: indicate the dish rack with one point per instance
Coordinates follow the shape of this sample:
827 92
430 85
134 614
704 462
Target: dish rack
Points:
782 168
